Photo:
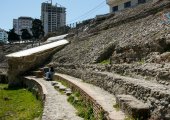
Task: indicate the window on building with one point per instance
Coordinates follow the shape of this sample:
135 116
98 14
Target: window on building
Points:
141 1
127 4
115 8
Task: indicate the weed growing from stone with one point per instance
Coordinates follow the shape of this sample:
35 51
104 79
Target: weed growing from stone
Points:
102 115
63 83
129 118
85 110
142 61
116 106
104 62
60 91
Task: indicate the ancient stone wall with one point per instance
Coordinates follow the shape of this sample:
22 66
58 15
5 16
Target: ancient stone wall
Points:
20 65
128 36
156 95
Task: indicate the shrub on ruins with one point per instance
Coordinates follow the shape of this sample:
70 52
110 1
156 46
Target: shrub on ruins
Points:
25 34
37 29
12 36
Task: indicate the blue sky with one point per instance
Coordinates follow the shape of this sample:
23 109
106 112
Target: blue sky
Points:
76 9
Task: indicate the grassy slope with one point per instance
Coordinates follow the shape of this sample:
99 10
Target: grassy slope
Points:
19 104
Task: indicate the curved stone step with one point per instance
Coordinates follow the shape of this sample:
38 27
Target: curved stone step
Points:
155 94
133 107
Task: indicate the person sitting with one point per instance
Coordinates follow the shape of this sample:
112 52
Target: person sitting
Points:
49 74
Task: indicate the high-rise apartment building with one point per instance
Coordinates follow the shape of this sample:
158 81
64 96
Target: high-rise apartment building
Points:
52 17
22 23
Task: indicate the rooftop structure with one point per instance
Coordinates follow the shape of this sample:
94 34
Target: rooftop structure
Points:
118 5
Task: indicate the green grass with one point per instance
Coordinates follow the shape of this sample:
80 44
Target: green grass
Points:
18 104
129 118
104 62
63 83
84 109
116 106
142 61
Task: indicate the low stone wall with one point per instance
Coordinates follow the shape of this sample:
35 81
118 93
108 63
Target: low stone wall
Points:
157 96
97 109
149 71
36 87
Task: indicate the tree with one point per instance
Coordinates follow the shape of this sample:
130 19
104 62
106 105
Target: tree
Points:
37 29
12 36
25 34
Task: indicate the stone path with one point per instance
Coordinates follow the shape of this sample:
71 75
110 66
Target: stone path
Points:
56 106
104 98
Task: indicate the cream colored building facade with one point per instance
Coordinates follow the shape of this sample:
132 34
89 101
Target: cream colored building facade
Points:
22 23
118 5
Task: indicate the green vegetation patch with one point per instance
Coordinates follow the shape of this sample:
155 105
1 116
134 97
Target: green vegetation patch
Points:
105 62
63 82
85 110
18 104
116 106
130 118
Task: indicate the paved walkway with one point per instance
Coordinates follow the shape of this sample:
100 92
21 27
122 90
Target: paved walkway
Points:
56 106
104 98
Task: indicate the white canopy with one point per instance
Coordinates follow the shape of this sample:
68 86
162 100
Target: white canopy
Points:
56 38
38 49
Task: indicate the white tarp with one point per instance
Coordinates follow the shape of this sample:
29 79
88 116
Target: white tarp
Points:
56 38
38 49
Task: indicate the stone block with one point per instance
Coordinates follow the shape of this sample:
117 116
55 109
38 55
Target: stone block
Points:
68 89
133 107
57 86
68 93
62 88
53 83
38 74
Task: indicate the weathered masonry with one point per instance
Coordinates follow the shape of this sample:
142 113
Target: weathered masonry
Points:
23 61
118 5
